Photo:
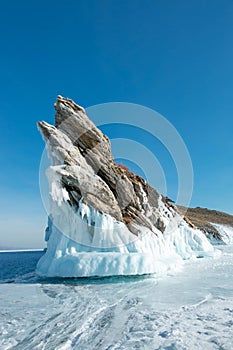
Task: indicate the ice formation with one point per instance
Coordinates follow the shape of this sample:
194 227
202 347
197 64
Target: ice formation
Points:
94 232
85 242
226 232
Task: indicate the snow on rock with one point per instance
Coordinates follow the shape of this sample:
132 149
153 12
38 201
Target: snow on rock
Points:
103 219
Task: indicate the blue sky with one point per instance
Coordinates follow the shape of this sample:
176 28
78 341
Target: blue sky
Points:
172 56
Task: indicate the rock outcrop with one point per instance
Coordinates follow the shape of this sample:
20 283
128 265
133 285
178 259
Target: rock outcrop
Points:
76 141
104 220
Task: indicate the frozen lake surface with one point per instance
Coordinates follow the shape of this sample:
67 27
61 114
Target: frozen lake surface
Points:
190 309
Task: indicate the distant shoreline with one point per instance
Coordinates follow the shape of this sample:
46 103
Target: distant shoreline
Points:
20 250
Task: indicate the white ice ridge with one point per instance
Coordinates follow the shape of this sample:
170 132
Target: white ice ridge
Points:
85 242
226 232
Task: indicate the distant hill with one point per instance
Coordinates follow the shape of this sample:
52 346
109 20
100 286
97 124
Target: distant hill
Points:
203 217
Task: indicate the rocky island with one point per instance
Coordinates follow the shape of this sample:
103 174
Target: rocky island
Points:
105 220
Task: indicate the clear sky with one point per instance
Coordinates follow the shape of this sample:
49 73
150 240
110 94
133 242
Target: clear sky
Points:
174 56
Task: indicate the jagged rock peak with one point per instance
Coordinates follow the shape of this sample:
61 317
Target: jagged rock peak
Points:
90 172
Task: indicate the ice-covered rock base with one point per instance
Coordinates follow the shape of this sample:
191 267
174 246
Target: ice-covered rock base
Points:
226 232
96 244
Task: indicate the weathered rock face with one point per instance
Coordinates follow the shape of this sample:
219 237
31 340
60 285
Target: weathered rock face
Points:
90 172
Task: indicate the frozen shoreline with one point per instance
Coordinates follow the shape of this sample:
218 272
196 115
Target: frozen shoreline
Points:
189 309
